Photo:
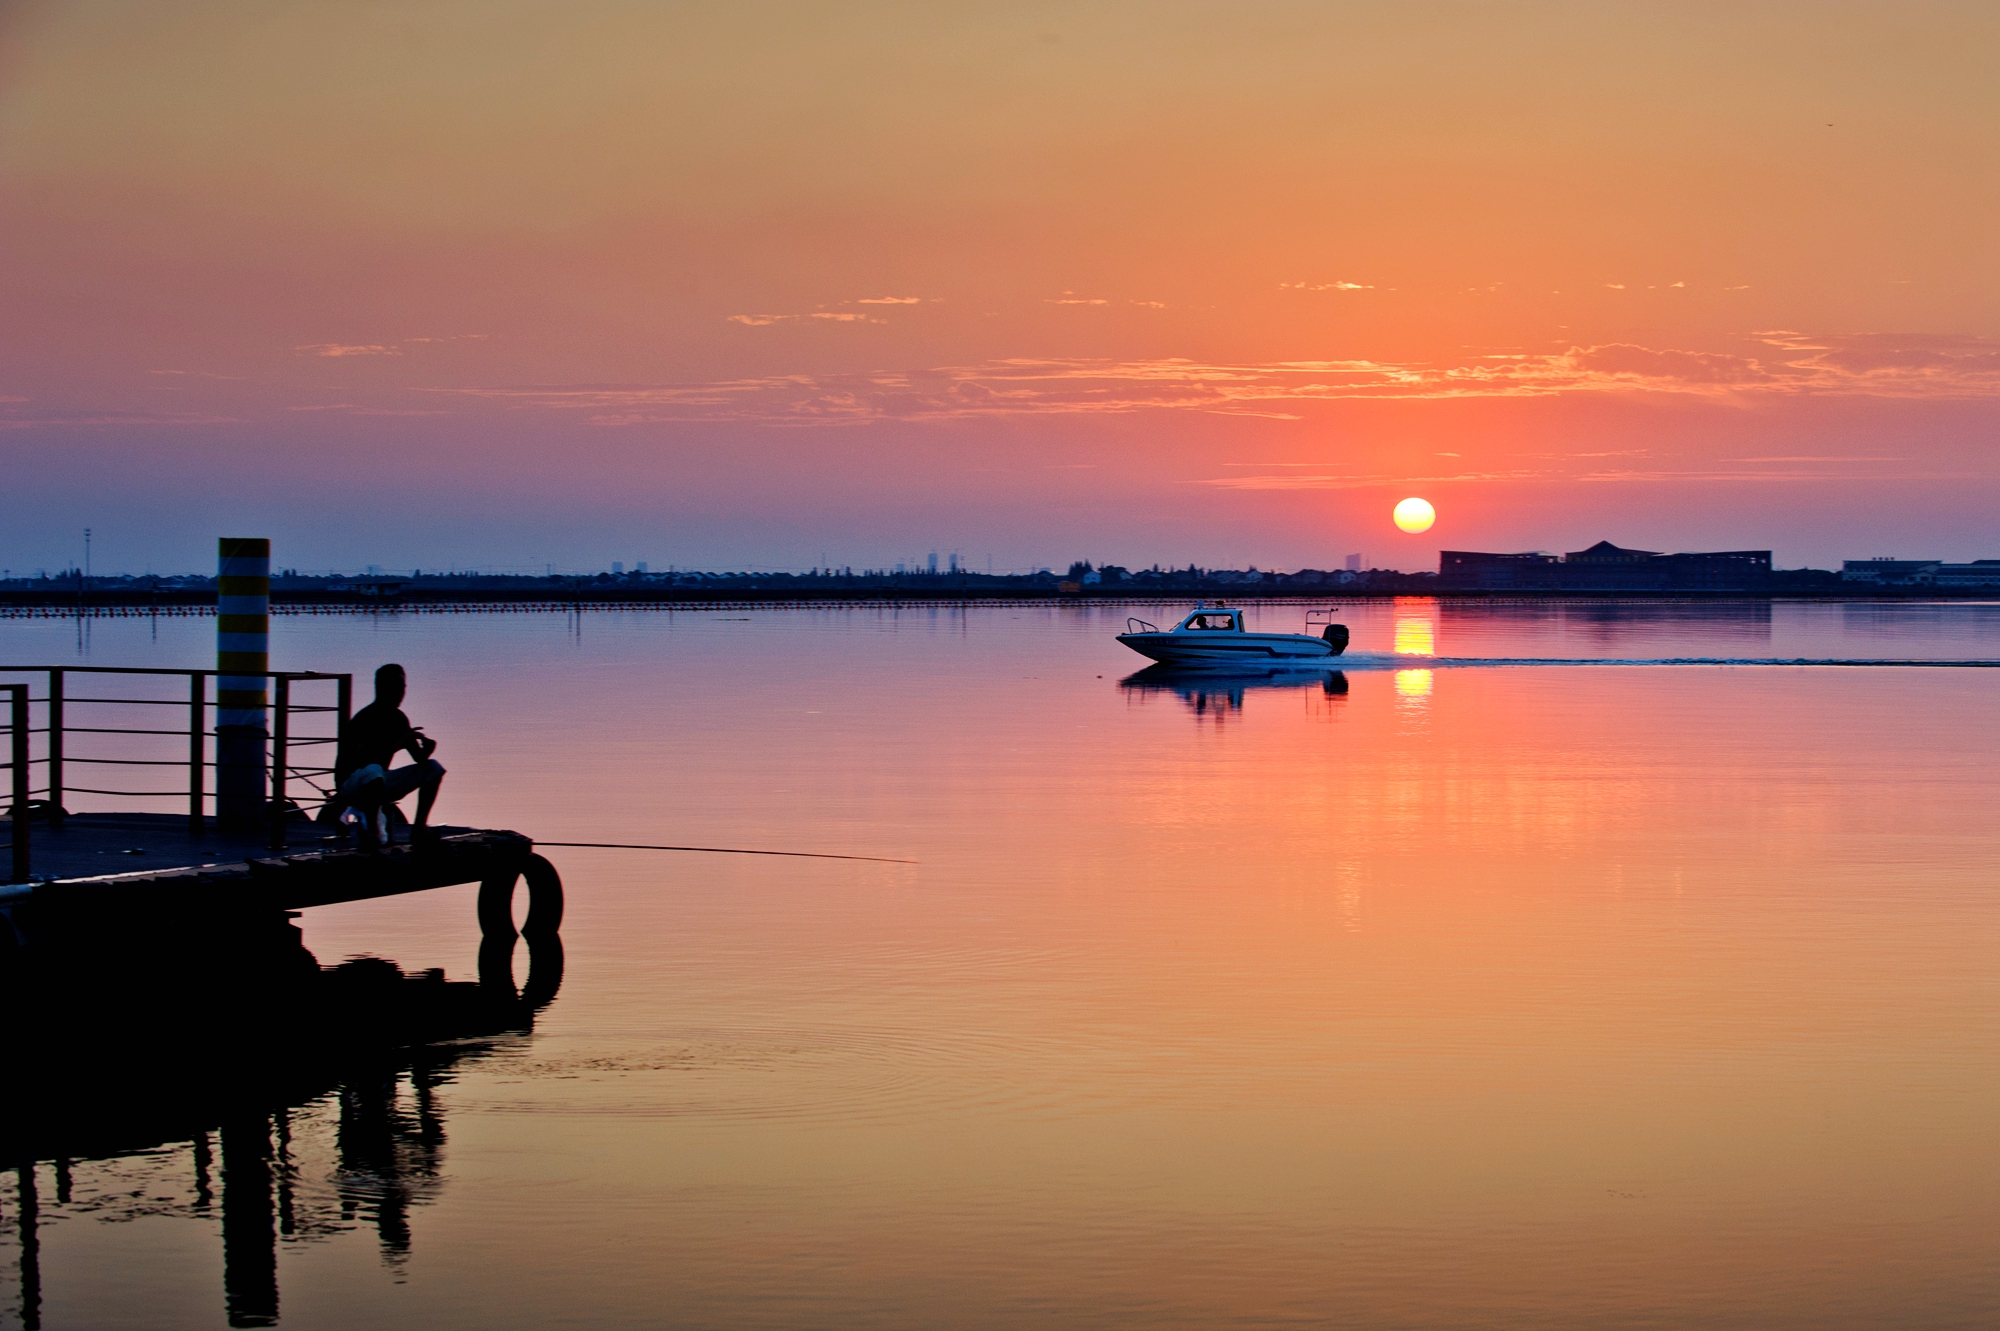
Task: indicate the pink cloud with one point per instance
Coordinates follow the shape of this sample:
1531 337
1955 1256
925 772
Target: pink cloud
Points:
1683 367
832 316
1900 367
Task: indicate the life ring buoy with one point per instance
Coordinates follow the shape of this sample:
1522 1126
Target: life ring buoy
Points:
545 901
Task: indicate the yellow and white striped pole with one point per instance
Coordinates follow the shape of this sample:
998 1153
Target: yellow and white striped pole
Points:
242 655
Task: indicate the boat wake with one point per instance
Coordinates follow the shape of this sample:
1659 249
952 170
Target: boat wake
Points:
1403 661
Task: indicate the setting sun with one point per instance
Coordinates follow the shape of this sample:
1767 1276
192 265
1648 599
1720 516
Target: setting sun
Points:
1414 515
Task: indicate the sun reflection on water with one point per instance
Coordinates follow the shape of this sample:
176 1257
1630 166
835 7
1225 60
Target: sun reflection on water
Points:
1416 629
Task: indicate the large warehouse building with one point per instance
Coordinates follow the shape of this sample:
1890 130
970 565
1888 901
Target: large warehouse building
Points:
1605 567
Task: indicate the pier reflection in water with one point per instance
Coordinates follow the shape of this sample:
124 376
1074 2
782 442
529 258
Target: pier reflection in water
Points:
318 1122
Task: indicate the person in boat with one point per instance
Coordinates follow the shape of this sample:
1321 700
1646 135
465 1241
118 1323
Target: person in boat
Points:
365 783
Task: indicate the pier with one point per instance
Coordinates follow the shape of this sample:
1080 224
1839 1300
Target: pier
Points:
81 866
165 995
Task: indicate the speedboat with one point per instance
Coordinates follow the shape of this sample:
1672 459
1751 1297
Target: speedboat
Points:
1214 635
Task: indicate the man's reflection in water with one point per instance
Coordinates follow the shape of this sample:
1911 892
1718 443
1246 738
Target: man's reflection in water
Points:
389 1160
357 1137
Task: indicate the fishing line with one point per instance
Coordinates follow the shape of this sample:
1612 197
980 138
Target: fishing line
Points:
726 850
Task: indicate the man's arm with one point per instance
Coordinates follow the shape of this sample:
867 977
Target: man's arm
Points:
419 745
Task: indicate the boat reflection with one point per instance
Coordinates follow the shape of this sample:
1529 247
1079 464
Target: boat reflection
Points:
310 1114
1218 692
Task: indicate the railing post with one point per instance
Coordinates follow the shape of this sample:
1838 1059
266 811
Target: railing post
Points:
55 748
197 748
280 729
18 716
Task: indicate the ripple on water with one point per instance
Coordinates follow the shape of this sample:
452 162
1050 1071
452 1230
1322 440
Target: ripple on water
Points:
824 1075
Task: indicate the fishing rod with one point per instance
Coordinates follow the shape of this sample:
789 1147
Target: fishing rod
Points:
725 850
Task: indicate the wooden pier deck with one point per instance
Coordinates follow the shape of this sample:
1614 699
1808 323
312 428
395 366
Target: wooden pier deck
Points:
104 872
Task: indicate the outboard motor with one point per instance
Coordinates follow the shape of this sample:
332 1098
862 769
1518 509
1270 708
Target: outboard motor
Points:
1336 636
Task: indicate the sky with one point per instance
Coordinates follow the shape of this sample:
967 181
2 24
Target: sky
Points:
513 284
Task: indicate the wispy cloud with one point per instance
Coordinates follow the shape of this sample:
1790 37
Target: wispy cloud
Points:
343 349
57 419
1784 364
1071 298
1324 286
359 409
1805 458
831 316
1331 481
359 349
1704 474
890 300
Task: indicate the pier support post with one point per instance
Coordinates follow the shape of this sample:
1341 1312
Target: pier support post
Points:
242 656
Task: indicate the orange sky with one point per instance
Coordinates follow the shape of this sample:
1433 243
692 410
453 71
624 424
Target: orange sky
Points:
513 283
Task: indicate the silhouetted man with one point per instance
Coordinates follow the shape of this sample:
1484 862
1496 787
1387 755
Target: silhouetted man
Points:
374 736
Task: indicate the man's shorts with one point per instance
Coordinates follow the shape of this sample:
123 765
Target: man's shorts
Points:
398 781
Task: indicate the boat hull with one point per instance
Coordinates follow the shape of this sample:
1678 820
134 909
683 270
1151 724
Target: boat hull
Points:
1245 649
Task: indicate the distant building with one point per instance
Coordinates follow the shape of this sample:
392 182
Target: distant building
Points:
1921 573
1354 563
1890 572
1494 572
1605 567
1979 573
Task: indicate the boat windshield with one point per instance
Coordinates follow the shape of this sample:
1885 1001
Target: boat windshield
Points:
1210 621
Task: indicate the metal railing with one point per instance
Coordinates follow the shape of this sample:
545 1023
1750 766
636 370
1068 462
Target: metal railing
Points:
61 708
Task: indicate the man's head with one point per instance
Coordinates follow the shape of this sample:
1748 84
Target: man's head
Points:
390 685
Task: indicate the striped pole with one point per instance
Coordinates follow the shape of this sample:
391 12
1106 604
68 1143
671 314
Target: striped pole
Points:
242 655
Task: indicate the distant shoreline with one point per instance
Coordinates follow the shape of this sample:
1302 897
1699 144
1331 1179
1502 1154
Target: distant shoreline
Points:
201 602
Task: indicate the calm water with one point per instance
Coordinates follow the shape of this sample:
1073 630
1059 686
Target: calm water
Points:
1463 997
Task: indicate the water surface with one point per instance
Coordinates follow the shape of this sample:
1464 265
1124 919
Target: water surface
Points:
1566 996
